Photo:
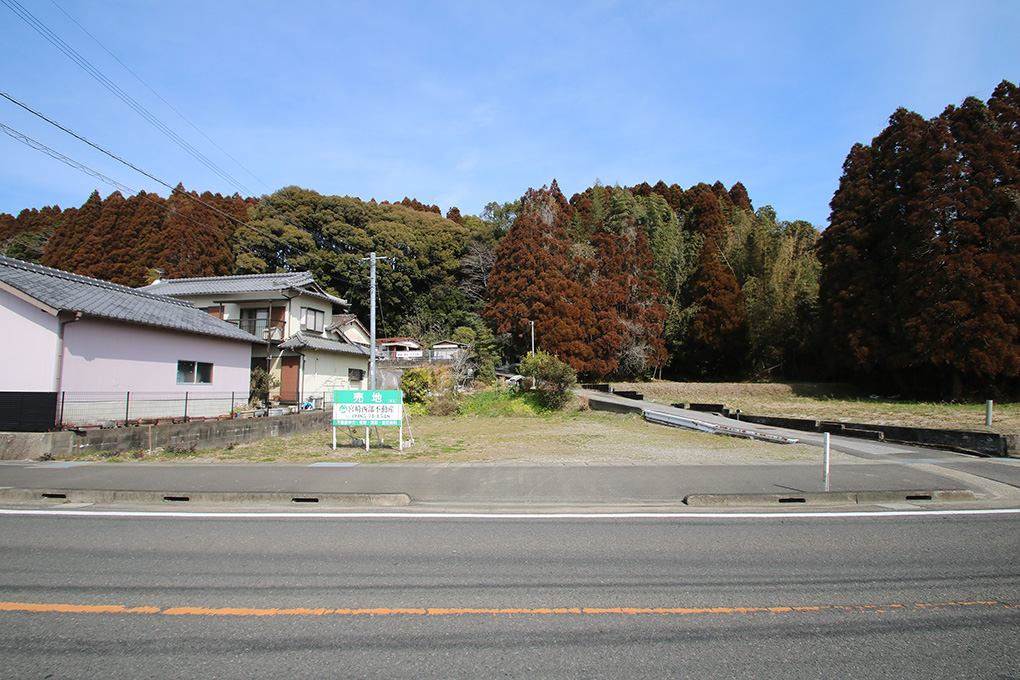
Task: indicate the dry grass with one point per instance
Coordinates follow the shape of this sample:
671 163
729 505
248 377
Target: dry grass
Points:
832 402
579 436
570 437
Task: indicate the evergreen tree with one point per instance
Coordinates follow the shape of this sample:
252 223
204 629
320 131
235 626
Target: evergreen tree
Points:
26 236
921 267
63 251
530 283
195 239
716 333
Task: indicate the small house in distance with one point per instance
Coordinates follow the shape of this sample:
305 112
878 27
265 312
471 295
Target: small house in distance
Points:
448 349
312 345
399 348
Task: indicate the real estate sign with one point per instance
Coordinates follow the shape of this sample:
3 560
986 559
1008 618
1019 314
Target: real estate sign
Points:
368 407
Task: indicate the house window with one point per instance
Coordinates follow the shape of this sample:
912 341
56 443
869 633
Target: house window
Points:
194 373
355 375
313 320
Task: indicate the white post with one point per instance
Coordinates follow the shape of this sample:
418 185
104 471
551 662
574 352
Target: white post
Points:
989 405
334 437
826 474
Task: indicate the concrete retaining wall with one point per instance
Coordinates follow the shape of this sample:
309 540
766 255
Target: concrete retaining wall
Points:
183 436
985 443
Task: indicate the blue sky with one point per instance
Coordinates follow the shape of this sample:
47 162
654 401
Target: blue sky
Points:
463 103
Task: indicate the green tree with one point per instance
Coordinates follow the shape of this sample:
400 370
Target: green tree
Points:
26 236
554 380
419 251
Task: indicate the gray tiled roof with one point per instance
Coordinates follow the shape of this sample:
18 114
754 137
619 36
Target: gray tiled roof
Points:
246 283
68 292
299 340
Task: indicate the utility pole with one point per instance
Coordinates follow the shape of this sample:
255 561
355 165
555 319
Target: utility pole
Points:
371 298
532 337
371 316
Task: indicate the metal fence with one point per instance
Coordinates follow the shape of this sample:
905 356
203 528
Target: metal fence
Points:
110 409
39 412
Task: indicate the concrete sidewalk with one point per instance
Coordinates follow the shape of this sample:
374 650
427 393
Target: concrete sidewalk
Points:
506 487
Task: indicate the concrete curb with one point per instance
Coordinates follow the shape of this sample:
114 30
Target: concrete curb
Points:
829 498
183 498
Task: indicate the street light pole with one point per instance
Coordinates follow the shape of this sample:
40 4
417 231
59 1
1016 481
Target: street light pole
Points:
532 337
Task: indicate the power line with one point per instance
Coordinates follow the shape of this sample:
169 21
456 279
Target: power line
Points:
39 146
87 66
55 40
160 97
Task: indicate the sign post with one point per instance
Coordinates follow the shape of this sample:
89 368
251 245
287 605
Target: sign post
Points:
368 408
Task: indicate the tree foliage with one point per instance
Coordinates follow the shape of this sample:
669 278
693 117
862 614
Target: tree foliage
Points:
420 254
620 283
554 380
125 240
921 262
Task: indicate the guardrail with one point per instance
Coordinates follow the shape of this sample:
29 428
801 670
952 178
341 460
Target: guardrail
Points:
712 428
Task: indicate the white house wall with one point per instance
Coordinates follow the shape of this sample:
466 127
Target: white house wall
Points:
355 335
29 346
326 371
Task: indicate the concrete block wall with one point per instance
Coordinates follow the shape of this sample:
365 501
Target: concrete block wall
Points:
200 435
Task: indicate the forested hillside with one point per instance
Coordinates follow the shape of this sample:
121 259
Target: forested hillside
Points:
620 282
914 287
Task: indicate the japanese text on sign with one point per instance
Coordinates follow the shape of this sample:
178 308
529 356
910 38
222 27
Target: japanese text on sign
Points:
367 407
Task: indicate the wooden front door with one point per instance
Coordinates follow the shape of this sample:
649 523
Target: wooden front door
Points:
290 379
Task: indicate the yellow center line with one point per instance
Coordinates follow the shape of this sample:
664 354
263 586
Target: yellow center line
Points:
460 611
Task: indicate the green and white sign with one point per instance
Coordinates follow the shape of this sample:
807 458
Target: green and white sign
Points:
368 407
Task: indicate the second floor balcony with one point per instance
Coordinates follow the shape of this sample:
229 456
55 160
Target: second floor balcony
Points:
267 329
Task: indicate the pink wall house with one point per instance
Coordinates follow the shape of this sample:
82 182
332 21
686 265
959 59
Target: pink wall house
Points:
75 334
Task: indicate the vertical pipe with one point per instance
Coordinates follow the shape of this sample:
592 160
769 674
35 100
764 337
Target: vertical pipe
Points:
825 476
185 407
989 405
127 407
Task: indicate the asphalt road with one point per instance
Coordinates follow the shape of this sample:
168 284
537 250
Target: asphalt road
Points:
878 596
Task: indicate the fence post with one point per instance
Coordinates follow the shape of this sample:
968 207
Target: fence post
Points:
127 407
185 407
61 423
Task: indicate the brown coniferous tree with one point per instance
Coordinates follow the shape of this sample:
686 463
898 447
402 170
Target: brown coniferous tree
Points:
717 336
63 251
530 282
921 272
195 240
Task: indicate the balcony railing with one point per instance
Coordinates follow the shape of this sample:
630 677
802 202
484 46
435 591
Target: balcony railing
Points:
267 329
